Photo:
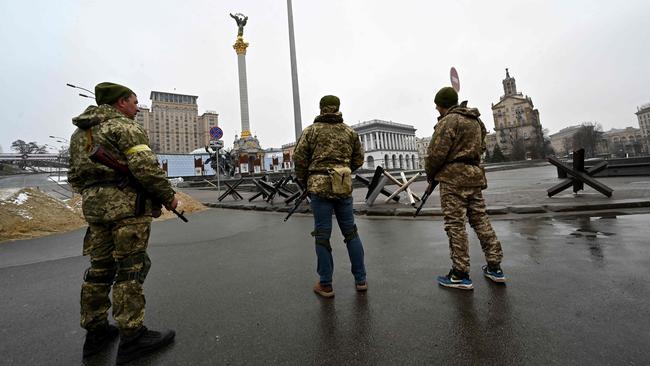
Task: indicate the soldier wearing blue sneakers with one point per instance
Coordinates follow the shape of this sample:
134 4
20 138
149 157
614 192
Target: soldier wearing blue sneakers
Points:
454 157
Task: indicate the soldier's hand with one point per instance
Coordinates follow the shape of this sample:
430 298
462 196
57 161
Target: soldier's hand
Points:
173 204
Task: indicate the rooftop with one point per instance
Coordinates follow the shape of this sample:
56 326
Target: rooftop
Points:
644 108
173 98
381 122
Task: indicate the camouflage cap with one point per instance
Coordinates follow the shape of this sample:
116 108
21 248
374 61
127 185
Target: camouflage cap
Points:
330 100
109 93
446 97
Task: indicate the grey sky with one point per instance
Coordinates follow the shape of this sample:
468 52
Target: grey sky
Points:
583 61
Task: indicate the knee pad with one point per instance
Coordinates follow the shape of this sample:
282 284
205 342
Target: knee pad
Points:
322 239
101 271
351 235
134 267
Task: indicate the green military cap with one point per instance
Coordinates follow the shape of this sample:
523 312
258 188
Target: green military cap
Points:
330 100
109 93
446 97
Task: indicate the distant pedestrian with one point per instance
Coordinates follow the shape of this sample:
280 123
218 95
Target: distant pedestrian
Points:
326 154
117 235
454 157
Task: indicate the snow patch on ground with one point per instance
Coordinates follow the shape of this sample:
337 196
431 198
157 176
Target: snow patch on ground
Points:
7 193
20 199
59 178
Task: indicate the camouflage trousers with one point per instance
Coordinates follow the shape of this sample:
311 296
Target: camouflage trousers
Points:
118 260
461 203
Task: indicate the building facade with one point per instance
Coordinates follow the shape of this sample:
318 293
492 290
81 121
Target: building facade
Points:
422 145
517 125
173 123
625 142
287 155
389 144
273 159
643 115
562 141
490 142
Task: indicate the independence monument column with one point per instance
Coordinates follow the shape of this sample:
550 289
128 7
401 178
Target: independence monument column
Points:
240 48
246 149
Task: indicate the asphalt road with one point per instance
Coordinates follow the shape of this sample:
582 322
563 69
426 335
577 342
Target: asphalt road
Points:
236 286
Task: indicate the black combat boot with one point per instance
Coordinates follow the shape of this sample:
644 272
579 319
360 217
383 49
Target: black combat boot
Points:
97 339
144 342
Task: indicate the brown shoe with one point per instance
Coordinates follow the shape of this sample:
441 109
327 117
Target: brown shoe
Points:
362 286
324 290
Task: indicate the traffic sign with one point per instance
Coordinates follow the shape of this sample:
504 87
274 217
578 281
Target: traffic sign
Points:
216 132
455 81
218 144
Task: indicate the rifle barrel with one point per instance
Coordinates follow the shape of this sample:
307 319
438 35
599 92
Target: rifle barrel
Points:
299 200
180 215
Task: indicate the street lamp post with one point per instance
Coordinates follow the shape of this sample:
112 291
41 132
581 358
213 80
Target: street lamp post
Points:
80 94
63 139
59 140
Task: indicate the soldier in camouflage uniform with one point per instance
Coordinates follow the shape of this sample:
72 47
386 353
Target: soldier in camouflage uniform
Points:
326 154
454 156
116 239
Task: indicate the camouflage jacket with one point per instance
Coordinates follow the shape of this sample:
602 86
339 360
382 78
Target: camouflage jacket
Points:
127 141
454 153
327 143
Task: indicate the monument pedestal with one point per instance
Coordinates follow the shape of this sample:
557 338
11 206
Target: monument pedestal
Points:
248 153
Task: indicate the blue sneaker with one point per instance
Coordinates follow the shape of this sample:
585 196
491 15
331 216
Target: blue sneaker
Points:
494 273
451 280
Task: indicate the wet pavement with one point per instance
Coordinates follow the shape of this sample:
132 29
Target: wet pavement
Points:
236 286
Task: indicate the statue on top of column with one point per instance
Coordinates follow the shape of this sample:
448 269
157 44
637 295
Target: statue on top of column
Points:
241 22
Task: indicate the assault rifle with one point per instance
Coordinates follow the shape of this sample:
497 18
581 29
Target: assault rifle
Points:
432 185
99 155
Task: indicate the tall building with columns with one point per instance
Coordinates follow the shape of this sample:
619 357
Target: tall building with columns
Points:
389 144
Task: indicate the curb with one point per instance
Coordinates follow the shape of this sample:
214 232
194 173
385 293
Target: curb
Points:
405 211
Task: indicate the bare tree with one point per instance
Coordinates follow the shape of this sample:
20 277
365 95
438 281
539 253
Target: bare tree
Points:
518 150
497 155
23 147
567 144
588 137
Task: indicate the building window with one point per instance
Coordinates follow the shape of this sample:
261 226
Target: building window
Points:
371 162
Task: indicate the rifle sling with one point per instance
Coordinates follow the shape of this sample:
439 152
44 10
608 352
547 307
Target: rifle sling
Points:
110 183
465 160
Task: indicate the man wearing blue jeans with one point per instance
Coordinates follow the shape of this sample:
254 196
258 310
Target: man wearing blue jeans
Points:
326 154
